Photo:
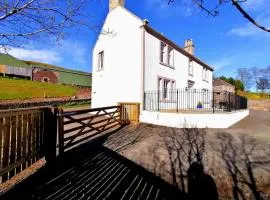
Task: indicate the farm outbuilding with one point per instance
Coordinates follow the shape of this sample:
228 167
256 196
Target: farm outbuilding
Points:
36 71
10 66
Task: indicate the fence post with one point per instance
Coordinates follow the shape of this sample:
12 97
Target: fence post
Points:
177 100
144 100
121 114
158 100
213 101
60 121
229 102
235 101
50 134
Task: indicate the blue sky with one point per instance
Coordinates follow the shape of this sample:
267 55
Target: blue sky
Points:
226 42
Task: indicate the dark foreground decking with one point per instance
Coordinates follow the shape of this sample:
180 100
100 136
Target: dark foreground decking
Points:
93 172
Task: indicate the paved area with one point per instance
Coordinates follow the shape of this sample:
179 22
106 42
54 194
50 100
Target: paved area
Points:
94 173
146 155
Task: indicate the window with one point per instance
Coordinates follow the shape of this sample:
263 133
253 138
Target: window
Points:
165 86
190 84
190 67
170 56
45 79
205 74
101 60
162 52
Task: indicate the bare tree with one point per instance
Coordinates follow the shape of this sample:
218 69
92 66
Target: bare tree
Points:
244 75
24 20
213 11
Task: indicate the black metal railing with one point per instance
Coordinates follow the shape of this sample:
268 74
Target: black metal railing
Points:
181 100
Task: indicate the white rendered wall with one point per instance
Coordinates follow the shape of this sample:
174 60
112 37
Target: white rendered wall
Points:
181 120
153 68
120 80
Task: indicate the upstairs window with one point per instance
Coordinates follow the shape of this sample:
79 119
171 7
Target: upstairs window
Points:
101 60
205 74
190 67
170 56
162 52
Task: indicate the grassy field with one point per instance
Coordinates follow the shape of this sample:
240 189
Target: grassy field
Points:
25 89
253 95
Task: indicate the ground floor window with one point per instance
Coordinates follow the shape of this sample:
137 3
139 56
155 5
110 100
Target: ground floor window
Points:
166 86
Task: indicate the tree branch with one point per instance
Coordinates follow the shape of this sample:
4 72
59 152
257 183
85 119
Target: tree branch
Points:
246 15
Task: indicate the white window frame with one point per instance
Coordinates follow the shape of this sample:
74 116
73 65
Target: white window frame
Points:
170 56
205 74
190 67
163 46
100 60
165 91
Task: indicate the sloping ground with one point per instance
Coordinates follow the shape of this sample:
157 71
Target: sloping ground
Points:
6 59
25 89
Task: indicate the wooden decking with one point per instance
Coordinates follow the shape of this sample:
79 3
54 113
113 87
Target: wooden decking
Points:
93 171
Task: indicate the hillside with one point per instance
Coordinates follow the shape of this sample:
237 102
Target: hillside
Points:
25 89
253 95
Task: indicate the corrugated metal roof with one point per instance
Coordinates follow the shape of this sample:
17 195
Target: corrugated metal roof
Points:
6 59
48 66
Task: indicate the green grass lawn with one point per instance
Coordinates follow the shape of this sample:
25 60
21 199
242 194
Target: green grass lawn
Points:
26 89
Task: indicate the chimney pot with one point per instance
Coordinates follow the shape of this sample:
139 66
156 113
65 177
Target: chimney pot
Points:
115 3
189 46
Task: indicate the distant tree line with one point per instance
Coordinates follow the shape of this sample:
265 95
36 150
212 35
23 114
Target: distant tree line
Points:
251 78
258 78
235 82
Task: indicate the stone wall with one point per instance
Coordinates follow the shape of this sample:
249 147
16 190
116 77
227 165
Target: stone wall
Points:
259 104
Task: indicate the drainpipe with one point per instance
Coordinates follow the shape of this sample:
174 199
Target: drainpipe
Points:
143 66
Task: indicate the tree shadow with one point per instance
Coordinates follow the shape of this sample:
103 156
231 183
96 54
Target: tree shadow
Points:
175 159
243 157
93 171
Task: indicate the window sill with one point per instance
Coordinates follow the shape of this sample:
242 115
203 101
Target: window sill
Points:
190 75
164 64
167 101
100 70
206 81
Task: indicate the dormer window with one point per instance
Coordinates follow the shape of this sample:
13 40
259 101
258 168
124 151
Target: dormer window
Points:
190 67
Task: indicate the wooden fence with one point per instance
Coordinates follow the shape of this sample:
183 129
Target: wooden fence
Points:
79 126
131 111
22 139
27 135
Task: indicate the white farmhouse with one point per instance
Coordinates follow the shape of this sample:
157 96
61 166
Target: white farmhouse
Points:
134 58
132 62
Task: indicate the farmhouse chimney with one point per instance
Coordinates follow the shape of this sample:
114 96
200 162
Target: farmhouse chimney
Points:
189 46
116 3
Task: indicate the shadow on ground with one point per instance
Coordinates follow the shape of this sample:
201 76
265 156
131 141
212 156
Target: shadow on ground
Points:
93 171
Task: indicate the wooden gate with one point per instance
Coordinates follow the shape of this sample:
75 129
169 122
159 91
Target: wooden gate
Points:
22 139
131 111
76 127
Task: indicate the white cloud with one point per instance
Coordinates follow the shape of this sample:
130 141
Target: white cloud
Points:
260 11
177 8
254 4
250 29
246 30
222 63
73 51
34 54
